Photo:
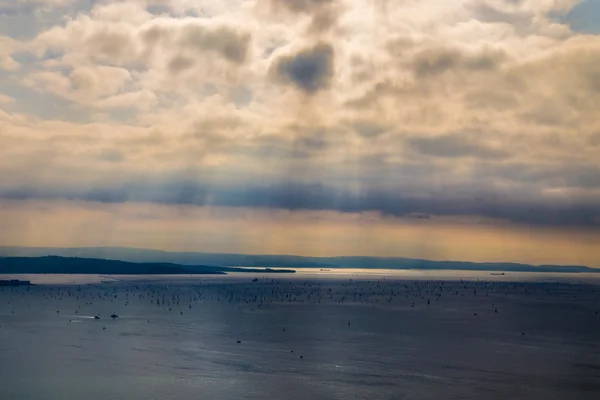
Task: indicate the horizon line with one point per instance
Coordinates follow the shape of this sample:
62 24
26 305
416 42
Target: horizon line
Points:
299 256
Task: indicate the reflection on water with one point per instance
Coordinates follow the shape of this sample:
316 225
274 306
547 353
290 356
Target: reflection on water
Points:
311 335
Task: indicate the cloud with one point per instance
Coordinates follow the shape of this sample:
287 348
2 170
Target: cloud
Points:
324 13
455 145
325 19
301 5
225 41
4 99
142 99
404 108
179 64
54 3
435 61
178 190
112 155
310 69
83 84
368 129
38 5
7 47
111 37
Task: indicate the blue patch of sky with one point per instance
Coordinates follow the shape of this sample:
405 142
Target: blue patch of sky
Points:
584 17
47 106
40 104
24 21
25 58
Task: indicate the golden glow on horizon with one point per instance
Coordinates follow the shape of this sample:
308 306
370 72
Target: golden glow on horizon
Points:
239 230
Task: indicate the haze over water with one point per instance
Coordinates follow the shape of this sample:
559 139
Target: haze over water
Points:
196 135
308 336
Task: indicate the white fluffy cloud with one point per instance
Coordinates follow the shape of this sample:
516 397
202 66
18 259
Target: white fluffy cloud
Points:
7 47
47 3
82 84
356 104
4 99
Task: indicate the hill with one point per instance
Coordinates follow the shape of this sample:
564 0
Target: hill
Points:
181 259
77 265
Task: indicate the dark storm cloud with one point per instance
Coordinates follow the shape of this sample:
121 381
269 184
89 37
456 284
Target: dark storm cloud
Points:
503 205
310 70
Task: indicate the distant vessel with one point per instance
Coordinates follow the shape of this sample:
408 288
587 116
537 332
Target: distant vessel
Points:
114 316
14 282
497 273
255 280
322 269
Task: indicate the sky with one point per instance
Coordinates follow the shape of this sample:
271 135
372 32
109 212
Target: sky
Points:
464 129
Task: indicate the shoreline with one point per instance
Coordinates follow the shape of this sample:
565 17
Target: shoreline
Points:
310 274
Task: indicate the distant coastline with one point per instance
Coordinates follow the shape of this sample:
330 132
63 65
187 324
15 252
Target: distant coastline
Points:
77 265
135 260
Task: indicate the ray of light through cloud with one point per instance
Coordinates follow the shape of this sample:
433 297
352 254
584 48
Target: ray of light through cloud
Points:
407 128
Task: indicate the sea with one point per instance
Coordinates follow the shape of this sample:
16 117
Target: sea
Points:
343 334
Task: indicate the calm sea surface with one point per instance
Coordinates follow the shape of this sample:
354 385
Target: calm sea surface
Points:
342 335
